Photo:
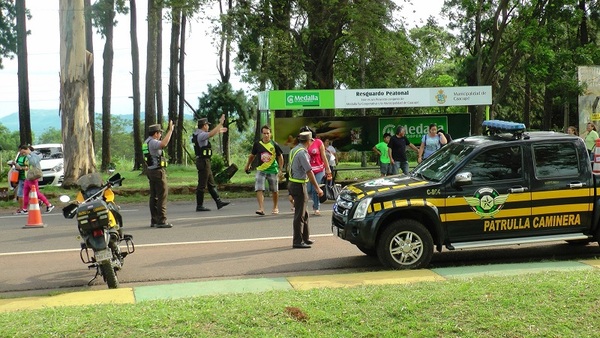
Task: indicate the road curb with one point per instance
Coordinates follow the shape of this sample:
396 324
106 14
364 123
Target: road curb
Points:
231 286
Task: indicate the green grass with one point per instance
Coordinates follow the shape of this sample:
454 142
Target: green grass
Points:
553 304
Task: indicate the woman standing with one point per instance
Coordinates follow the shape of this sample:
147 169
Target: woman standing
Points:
589 137
572 131
431 142
319 165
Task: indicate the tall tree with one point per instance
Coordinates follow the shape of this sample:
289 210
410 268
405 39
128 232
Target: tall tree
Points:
176 13
485 32
158 74
179 137
135 81
180 9
373 48
104 11
267 54
23 77
8 30
89 40
326 20
224 66
75 63
220 99
151 54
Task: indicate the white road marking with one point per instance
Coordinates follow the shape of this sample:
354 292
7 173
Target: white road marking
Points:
162 244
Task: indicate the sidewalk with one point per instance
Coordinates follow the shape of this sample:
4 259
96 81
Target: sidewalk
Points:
195 289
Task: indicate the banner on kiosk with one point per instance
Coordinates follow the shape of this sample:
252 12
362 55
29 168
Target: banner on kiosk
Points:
364 132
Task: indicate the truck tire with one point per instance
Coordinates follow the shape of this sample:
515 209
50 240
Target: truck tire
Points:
405 244
372 252
109 275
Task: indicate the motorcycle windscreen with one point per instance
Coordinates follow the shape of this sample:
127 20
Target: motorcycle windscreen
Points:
93 180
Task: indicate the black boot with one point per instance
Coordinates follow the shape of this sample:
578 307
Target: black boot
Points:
215 195
221 204
200 201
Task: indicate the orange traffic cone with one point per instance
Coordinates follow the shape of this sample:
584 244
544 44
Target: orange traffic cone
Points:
34 215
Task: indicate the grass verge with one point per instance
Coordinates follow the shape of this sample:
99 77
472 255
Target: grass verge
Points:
552 304
182 181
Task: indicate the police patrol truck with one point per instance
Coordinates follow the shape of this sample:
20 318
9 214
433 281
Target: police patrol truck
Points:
506 187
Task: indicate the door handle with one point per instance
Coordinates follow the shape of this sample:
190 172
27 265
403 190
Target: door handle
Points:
516 190
576 185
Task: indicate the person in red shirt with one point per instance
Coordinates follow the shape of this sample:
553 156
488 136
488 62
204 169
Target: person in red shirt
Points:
320 167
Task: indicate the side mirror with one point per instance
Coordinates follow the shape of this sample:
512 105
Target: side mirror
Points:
462 179
70 211
115 180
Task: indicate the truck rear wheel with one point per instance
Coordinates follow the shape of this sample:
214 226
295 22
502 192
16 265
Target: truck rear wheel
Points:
405 244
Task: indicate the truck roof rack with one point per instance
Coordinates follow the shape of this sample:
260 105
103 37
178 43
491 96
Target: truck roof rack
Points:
496 127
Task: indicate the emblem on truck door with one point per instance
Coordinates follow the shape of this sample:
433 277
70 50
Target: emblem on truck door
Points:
486 202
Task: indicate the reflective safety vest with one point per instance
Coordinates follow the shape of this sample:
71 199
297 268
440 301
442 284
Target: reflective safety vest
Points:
295 180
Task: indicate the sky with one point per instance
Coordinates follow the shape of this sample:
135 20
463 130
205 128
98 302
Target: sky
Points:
43 45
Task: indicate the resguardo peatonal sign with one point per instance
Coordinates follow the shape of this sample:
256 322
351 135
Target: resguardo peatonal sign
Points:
375 98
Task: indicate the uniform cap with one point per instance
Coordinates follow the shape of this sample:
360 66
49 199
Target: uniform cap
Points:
202 122
154 128
305 136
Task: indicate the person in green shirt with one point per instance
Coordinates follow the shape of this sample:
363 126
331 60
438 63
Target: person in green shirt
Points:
381 149
589 137
21 164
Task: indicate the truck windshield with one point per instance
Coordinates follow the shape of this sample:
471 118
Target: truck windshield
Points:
442 162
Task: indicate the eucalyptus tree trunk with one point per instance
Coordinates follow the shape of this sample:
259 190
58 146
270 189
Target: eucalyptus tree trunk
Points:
173 80
75 63
135 74
23 77
150 104
89 40
107 68
224 68
180 139
158 74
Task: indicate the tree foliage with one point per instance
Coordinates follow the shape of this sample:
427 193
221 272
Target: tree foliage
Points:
9 140
8 30
50 135
222 98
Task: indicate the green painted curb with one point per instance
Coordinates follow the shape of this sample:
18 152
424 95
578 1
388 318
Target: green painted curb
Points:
213 287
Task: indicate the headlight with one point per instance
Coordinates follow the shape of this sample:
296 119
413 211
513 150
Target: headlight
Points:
362 208
343 203
58 167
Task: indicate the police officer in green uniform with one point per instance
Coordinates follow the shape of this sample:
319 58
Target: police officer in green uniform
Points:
300 173
157 176
203 151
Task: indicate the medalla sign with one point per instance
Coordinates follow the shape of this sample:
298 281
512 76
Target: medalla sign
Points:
376 98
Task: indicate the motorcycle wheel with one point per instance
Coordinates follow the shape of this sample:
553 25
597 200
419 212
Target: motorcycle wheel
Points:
109 274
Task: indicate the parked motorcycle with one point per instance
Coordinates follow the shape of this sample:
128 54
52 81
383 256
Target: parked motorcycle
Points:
100 226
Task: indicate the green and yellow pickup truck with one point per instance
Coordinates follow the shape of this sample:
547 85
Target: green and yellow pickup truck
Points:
506 187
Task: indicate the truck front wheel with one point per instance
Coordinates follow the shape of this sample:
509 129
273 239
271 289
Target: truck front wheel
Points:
405 244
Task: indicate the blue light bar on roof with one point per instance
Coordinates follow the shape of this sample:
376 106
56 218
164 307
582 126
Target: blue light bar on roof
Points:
504 125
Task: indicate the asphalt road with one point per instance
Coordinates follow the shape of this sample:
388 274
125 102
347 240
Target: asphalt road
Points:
229 243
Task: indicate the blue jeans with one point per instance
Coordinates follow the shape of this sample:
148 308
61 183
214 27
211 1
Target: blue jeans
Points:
313 193
400 165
